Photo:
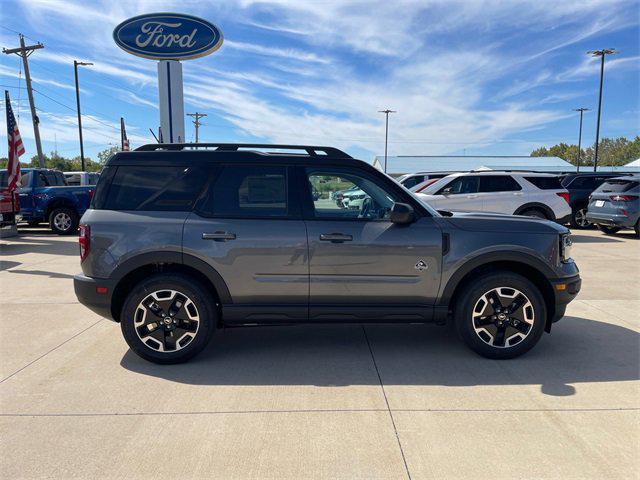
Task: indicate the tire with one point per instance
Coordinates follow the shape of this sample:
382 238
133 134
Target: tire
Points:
579 218
608 230
194 319
637 229
479 325
534 212
64 221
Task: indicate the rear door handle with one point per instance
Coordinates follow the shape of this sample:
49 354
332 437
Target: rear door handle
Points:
335 237
472 196
219 236
518 194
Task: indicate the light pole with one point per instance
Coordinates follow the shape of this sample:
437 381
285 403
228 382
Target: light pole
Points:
75 70
600 53
581 110
386 134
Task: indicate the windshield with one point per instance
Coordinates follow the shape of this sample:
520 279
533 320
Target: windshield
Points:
431 210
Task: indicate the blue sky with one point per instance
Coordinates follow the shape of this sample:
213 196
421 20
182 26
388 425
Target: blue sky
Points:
466 77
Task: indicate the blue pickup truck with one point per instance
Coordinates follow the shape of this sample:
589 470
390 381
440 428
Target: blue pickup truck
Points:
46 197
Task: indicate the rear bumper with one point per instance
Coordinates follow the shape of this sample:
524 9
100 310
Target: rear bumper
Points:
612 220
86 289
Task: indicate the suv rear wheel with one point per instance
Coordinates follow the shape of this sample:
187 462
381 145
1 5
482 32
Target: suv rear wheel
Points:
579 218
534 212
501 315
168 318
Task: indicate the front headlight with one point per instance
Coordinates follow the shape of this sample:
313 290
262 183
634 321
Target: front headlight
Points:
566 245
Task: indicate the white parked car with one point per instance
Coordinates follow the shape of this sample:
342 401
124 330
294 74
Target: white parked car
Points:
513 193
81 178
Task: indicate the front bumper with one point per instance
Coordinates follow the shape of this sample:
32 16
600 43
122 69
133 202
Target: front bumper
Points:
87 291
565 290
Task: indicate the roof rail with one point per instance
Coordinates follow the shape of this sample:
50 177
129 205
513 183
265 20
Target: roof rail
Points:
234 147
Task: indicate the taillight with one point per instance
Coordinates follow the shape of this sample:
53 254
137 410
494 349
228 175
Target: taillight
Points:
84 239
90 194
623 198
564 195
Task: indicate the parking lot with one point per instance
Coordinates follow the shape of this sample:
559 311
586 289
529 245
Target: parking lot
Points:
320 401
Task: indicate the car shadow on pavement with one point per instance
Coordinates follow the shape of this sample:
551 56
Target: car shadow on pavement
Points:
577 351
577 238
21 245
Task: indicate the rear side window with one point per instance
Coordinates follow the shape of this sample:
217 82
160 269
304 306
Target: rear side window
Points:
546 183
617 186
498 183
152 188
248 191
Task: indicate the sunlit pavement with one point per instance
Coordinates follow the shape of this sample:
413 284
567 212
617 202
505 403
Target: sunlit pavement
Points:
316 402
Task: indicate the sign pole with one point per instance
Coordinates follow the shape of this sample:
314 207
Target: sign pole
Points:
171 101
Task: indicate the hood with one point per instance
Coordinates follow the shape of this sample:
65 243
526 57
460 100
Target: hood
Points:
497 222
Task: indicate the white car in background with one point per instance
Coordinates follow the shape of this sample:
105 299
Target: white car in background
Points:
81 178
514 193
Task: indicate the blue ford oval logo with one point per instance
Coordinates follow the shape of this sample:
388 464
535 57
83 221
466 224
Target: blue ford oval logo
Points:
167 36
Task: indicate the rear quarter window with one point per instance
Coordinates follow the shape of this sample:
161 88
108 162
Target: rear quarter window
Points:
149 188
545 183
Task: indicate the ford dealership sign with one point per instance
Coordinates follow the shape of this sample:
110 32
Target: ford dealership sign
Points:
167 36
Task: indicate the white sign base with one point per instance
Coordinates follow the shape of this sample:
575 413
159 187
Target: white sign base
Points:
171 101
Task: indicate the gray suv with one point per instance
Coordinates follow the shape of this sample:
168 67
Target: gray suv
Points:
181 240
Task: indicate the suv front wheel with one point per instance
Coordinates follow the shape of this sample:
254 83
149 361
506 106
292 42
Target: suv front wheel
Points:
501 315
168 318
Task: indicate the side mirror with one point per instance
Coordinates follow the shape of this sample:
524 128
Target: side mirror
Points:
402 214
447 191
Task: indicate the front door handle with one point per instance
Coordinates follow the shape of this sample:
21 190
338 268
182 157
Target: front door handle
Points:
472 196
335 237
219 236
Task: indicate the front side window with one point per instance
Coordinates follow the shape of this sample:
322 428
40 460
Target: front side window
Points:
498 183
248 191
345 195
461 185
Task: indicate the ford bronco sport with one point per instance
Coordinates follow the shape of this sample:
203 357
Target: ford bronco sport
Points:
183 239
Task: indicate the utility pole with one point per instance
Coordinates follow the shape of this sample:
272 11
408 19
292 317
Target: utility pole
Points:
75 71
386 134
196 122
581 110
24 52
600 53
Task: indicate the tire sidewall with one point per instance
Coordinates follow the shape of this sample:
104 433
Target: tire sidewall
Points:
75 220
474 290
574 222
608 230
185 285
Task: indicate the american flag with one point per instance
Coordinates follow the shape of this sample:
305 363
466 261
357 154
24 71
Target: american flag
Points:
123 132
16 148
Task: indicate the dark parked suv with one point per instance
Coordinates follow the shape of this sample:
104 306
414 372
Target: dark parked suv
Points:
580 186
183 239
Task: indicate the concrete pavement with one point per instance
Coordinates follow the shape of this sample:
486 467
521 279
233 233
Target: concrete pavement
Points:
316 402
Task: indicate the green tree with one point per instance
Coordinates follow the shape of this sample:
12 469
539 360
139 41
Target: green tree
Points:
611 152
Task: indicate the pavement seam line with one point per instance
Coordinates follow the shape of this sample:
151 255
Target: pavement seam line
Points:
325 410
47 353
386 400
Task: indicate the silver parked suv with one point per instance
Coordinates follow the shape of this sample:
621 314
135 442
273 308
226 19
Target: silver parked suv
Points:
183 239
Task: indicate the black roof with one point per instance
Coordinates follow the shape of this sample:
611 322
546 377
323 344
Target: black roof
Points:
183 153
